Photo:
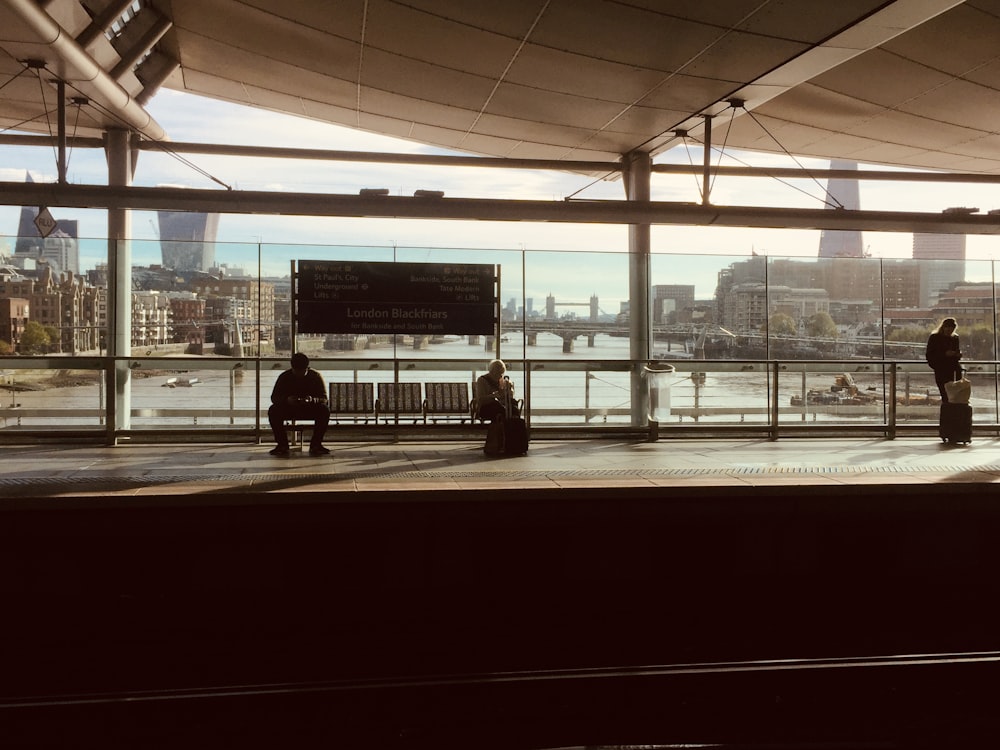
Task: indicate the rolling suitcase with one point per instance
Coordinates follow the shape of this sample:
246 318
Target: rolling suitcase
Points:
515 439
515 430
956 423
495 438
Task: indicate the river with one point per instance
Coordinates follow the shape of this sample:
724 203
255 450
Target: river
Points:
556 397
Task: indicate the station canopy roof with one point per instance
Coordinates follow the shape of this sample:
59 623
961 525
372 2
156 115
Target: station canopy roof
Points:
911 83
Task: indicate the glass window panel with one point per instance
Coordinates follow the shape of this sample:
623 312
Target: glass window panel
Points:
822 308
832 393
193 391
42 395
577 305
917 397
578 393
719 393
707 306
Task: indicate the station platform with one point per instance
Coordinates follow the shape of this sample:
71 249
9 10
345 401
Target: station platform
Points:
149 470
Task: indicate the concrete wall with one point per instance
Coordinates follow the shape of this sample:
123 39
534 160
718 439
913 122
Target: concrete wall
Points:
205 591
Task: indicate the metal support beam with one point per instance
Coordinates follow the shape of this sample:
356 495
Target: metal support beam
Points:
586 167
130 57
706 176
102 21
637 188
61 130
603 167
119 389
633 211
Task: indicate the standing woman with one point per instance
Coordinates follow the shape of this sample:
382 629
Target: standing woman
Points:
943 355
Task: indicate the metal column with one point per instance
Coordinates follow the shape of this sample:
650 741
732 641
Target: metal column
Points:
637 169
119 153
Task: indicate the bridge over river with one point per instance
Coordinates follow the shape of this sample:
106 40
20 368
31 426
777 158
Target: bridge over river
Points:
686 338
681 339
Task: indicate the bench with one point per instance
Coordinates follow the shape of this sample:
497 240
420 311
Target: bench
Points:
447 401
354 402
296 432
397 400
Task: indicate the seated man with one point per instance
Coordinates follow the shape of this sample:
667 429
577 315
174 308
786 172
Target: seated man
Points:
299 393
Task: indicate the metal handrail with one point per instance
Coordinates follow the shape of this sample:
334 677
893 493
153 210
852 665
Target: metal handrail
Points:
590 417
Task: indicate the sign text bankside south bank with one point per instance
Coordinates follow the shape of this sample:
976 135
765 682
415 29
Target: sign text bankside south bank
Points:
387 298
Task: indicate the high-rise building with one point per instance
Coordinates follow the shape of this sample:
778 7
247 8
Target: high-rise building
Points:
187 240
939 247
943 264
842 193
61 249
671 299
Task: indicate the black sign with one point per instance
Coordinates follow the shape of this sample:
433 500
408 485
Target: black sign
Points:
411 298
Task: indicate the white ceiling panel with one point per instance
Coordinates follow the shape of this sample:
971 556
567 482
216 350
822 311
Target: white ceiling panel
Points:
446 86
569 73
420 37
972 105
898 81
621 33
905 82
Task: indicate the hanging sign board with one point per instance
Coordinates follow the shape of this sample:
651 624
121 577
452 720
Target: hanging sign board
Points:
408 298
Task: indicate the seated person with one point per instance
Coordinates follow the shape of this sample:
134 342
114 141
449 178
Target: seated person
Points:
491 389
300 394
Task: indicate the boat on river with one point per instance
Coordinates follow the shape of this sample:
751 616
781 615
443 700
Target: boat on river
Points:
181 382
845 392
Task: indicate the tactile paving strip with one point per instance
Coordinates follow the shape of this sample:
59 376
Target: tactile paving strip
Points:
151 479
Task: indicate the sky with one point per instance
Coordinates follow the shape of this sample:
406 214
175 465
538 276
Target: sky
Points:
186 117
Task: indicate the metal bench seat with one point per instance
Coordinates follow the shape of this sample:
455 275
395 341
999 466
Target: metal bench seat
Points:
397 400
447 401
352 402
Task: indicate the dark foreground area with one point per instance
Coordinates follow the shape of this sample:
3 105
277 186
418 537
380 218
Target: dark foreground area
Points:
785 617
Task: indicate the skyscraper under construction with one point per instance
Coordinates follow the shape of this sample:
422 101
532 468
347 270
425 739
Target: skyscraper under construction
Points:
187 239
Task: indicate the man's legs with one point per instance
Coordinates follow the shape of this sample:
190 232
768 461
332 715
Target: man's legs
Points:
316 413
320 415
276 417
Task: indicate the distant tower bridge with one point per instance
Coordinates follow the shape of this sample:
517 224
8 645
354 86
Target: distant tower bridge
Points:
594 305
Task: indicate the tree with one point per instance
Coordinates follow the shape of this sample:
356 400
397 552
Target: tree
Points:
978 343
821 326
55 339
781 324
35 339
909 335
5 347
907 342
